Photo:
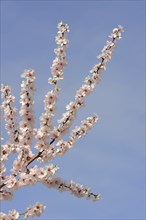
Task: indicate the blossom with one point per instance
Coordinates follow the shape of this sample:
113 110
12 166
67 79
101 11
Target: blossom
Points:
10 181
13 214
76 189
29 75
5 151
63 27
18 165
60 61
63 147
85 126
10 114
116 33
4 216
51 97
6 195
71 105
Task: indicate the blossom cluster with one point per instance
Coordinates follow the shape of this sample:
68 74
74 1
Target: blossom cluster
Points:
60 61
12 215
31 177
26 110
77 133
31 144
10 113
76 189
51 97
32 211
35 210
85 126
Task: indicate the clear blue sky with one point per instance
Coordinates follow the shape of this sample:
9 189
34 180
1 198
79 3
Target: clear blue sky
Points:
111 158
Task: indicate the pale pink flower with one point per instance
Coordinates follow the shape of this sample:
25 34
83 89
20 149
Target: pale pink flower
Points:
61 40
62 27
13 214
10 181
56 182
54 134
4 216
51 169
5 151
60 52
28 74
18 165
6 90
23 180
63 147
6 195
71 106
41 173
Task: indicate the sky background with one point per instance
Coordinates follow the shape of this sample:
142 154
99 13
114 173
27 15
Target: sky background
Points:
110 159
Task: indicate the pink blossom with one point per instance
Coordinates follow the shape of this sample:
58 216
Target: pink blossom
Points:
6 195
63 27
10 181
4 216
29 75
13 214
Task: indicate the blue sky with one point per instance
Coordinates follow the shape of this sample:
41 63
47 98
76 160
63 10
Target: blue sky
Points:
111 158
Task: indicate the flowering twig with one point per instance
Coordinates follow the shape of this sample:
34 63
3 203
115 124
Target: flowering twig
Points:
10 113
76 189
49 142
51 97
35 210
90 82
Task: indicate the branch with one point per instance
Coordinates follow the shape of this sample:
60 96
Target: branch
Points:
51 97
10 113
90 83
76 189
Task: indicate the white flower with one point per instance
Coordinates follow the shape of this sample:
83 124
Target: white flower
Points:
4 216
71 106
63 27
28 74
41 173
5 151
63 147
10 182
51 169
23 180
33 171
50 98
13 214
54 134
